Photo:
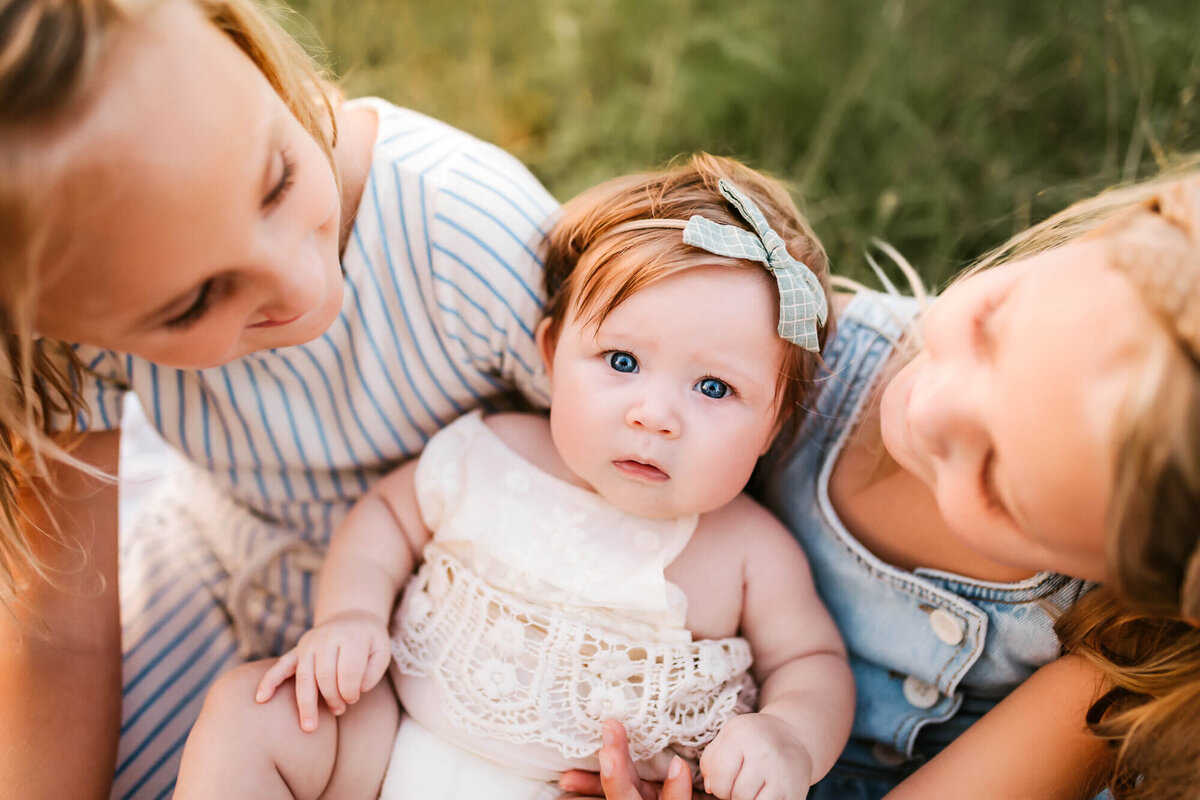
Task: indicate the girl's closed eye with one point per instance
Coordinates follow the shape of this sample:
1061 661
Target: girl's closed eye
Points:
197 308
987 486
621 361
287 177
981 332
714 388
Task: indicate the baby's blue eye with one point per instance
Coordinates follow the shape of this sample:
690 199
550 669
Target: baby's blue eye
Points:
711 387
622 361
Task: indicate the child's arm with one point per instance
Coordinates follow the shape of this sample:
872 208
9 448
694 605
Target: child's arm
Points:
806 699
1034 743
60 647
371 555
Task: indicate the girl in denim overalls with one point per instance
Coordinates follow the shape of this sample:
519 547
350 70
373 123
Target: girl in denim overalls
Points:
945 489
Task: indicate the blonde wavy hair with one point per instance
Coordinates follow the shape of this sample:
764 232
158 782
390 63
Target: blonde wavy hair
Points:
1141 629
600 252
50 52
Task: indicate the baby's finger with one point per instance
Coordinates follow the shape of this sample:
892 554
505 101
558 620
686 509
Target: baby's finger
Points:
351 665
720 767
306 693
283 668
377 666
326 674
747 787
752 781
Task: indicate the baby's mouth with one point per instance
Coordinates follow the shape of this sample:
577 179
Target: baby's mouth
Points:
641 469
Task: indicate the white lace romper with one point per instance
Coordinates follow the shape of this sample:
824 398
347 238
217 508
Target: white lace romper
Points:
541 610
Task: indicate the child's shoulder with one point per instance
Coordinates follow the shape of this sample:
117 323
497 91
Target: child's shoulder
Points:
742 543
745 520
511 427
528 435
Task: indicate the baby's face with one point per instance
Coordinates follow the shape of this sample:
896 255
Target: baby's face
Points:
665 408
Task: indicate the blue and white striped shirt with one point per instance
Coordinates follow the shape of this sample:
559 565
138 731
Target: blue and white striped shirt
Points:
443 292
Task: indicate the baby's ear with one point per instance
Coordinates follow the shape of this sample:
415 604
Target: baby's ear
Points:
546 342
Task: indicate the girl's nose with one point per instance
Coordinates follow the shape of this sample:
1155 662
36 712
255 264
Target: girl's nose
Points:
653 411
946 409
292 282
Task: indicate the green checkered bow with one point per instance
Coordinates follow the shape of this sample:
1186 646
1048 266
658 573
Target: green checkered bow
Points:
802 304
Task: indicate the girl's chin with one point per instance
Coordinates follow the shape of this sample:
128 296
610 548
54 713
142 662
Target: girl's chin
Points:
311 324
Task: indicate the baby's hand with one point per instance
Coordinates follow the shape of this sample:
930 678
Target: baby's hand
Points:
759 756
342 658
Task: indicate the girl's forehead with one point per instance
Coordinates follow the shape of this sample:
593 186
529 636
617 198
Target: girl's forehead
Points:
163 175
171 62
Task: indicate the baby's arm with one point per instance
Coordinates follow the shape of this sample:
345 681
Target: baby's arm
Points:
806 700
1034 743
371 555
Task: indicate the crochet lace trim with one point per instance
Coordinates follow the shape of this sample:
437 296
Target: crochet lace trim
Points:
531 674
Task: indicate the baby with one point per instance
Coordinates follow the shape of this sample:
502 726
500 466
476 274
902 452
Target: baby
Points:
603 563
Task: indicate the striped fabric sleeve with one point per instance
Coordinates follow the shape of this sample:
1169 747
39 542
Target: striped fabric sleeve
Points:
489 217
102 387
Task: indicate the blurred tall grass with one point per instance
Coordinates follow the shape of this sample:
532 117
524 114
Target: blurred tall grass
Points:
940 126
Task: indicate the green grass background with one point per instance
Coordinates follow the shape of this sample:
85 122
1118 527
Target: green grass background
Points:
940 126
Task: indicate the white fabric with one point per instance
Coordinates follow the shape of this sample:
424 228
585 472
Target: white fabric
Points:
543 539
504 643
458 773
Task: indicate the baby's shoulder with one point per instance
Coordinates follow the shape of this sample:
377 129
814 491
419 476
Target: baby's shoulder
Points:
738 551
745 523
515 426
527 435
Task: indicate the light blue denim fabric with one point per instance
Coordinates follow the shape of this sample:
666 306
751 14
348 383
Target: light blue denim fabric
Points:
931 651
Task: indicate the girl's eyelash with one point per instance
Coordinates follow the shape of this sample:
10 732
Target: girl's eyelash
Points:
287 177
979 323
197 309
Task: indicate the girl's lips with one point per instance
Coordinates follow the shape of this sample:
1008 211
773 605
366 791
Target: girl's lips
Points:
637 469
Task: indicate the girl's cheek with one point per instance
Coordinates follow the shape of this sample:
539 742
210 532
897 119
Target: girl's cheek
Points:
322 200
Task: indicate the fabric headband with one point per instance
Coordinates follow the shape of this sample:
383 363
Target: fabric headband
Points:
803 307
